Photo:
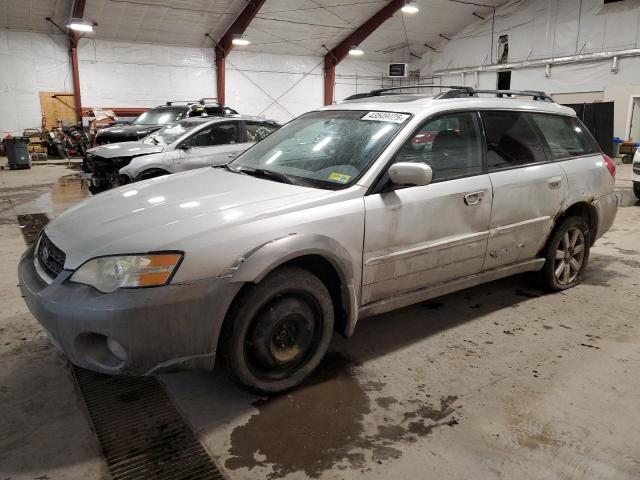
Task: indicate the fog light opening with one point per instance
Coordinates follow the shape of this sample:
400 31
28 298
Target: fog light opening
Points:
116 349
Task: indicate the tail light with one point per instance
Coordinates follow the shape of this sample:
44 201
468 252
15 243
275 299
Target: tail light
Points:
611 165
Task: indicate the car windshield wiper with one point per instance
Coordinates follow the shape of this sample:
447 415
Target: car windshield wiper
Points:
154 139
261 172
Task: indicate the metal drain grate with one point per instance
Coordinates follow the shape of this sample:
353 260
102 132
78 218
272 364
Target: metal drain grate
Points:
141 434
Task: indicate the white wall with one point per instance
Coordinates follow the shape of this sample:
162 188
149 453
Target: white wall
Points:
542 29
282 87
126 74
30 63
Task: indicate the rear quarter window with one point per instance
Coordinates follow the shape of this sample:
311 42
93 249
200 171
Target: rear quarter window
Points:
565 137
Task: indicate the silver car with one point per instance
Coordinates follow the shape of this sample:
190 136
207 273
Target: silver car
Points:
188 144
346 212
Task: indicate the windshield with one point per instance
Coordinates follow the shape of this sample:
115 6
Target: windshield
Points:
324 149
171 133
160 116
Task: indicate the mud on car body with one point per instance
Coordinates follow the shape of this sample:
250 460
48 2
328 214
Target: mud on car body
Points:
339 215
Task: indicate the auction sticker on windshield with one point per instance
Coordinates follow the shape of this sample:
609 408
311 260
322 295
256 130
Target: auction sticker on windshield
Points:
339 177
386 117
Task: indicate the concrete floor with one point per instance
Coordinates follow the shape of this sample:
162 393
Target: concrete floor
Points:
499 381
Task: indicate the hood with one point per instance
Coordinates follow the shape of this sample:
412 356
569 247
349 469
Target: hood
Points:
133 131
125 149
173 212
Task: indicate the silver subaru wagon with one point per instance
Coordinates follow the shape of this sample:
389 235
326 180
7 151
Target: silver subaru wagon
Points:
349 211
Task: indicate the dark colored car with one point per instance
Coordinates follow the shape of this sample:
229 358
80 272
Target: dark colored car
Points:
156 118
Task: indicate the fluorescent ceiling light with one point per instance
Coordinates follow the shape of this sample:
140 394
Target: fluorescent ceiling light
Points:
356 51
240 40
409 7
80 25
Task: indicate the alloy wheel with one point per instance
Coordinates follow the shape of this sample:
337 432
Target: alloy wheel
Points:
569 256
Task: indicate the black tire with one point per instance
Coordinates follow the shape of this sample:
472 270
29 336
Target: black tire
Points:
152 173
564 267
636 189
60 152
278 331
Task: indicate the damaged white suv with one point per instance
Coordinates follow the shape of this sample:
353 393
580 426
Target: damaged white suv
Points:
346 212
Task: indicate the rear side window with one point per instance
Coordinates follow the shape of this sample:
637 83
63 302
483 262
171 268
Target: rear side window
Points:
511 140
565 136
218 134
450 144
256 131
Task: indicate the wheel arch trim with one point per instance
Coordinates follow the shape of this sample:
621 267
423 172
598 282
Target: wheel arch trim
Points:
257 263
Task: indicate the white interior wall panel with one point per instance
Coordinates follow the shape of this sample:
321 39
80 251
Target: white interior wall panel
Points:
548 29
542 29
30 63
282 87
128 74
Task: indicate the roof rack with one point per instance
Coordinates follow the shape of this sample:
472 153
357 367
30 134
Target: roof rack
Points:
537 95
457 91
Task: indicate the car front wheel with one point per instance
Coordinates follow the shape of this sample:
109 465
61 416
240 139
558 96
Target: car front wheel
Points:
636 189
278 331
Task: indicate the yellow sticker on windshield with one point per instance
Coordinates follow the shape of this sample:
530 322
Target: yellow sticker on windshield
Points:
339 177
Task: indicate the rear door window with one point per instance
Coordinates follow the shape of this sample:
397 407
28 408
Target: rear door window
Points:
217 134
511 140
256 131
565 136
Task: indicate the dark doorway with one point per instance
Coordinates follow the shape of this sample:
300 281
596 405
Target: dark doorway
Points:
598 118
504 80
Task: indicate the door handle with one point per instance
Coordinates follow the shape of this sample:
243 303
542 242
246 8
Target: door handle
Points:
554 182
232 155
473 198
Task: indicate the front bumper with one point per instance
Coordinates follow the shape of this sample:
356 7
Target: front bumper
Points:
168 328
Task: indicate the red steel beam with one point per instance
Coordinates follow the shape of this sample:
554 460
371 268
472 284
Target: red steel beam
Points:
77 12
335 56
76 75
224 45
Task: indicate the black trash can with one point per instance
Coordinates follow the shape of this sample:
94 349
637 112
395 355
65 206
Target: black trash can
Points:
17 149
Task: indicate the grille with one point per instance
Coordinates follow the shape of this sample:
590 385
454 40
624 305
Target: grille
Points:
141 434
50 257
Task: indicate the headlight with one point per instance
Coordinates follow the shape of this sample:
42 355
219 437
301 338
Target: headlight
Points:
107 274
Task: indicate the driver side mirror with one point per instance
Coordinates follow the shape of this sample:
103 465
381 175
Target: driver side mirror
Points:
184 146
409 174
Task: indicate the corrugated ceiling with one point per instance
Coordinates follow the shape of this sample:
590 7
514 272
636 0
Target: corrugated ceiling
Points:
299 27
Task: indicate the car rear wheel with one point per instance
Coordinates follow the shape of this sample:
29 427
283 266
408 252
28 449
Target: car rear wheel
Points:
636 189
278 331
567 254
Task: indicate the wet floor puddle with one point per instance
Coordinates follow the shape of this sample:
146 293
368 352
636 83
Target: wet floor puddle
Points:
66 192
329 422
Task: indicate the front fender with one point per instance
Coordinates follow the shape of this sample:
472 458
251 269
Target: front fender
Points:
257 263
146 162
